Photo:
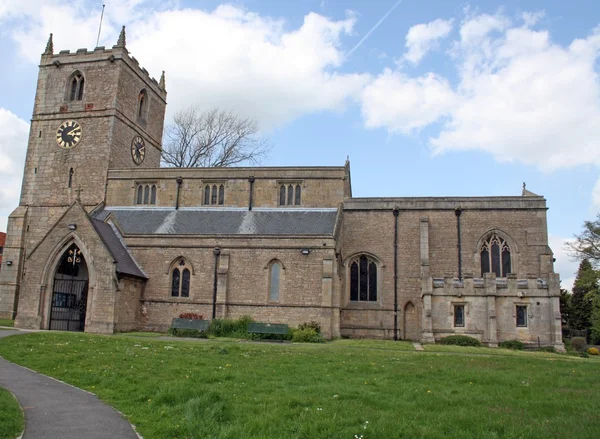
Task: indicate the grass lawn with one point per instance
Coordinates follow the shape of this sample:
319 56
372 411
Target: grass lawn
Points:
344 389
7 322
11 416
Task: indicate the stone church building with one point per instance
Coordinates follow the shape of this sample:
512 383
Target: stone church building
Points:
104 240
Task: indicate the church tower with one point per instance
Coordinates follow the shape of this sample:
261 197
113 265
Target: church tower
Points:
94 111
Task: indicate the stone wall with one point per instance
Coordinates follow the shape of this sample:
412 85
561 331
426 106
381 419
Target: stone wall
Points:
321 187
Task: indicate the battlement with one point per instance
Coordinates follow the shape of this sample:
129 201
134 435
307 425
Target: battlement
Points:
118 52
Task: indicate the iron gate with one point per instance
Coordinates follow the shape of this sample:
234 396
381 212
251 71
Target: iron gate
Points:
69 303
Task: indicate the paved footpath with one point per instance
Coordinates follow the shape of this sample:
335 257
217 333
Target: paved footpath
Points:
54 410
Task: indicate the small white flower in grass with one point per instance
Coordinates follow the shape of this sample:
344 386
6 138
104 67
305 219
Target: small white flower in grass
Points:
319 408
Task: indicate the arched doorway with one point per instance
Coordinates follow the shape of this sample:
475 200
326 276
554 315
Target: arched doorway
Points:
411 325
70 292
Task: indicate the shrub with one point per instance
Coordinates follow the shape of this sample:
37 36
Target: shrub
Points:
306 335
194 333
230 328
593 351
310 325
579 344
190 316
460 340
512 344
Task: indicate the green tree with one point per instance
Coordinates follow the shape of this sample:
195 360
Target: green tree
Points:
586 245
584 292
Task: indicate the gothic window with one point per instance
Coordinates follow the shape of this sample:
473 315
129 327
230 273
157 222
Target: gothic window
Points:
71 172
290 194
363 279
214 194
495 256
274 280
142 104
459 315
221 194
145 193
76 84
522 316
207 194
180 279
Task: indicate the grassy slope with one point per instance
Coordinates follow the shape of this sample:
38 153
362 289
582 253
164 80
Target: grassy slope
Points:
11 416
220 389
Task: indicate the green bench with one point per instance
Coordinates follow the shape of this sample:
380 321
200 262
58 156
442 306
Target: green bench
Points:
268 328
199 325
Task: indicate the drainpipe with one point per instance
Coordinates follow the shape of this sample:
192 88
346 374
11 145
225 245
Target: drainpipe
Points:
457 212
251 180
216 252
395 212
179 180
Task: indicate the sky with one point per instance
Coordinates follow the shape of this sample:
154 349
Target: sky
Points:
427 98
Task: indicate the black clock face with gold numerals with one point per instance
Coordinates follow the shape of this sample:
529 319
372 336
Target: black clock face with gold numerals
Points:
138 149
68 134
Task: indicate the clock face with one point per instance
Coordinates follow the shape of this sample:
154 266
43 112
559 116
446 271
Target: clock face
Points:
138 149
68 134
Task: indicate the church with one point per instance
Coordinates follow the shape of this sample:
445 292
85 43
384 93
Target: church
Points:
105 240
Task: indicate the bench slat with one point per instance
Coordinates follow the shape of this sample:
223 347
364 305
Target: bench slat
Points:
200 325
267 328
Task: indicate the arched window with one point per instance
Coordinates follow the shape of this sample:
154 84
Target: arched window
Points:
221 194
142 104
290 194
140 194
180 279
214 194
282 195
274 280
145 194
207 194
363 279
495 256
76 84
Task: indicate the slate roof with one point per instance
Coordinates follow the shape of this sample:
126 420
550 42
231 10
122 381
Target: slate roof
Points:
222 221
125 262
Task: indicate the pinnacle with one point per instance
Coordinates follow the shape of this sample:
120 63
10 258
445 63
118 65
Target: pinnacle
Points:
161 83
49 46
121 40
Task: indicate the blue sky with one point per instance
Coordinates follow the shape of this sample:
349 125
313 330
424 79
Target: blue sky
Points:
438 98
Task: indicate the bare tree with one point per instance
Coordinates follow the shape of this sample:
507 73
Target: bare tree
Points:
212 139
586 245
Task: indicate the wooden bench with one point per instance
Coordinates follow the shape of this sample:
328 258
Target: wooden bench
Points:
268 328
199 325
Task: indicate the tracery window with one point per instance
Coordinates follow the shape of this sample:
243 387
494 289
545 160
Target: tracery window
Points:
274 280
495 256
290 194
145 193
180 279
214 194
76 87
363 279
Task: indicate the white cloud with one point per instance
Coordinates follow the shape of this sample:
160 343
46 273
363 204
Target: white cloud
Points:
403 104
519 96
563 265
422 38
13 144
228 58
